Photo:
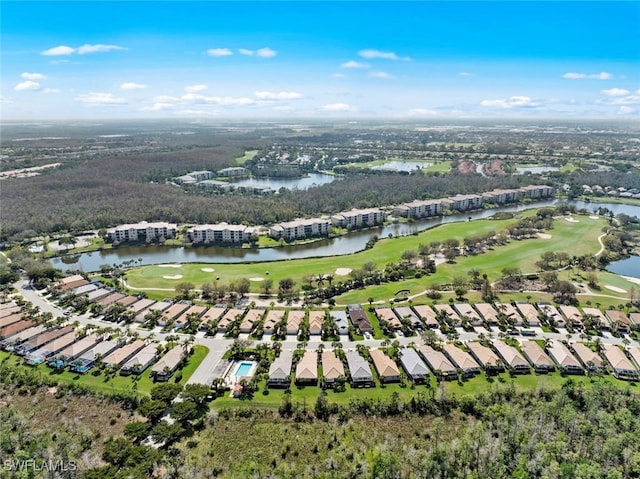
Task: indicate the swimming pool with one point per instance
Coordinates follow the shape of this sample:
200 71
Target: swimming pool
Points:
243 369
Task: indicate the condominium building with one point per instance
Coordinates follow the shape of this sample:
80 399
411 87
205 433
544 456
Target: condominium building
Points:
302 228
142 231
359 218
419 209
221 233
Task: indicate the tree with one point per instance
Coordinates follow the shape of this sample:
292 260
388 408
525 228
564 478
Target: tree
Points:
137 430
267 284
184 289
243 286
184 411
321 409
165 392
196 393
167 433
152 409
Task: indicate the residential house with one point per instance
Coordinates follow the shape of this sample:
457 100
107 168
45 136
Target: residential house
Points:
417 371
157 306
40 355
359 370
10 319
280 370
273 317
110 299
316 320
172 312
620 365
90 358
564 358
342 323
511 357
572 315
332 368
529 313
485 357
596 314
452 317
405 312
487 312
230 317
552 314
14 328
211 317
387 315
140 306
441 366
169 363
591 360
250 319
385 366
9 343
511 313
307 368
294 320
359 318
123 354
427 315
618 320
537 357
141 360
461 359
466 311
65 356
40 340
634 353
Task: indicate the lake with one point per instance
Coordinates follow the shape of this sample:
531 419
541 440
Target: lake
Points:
402 165
275 183
535 170
626 267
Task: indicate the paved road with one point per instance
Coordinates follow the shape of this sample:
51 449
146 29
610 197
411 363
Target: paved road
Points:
218 346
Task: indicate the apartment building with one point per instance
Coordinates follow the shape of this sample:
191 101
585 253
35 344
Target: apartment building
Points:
142 232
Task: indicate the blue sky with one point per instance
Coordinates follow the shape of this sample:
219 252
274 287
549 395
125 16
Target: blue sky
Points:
402 60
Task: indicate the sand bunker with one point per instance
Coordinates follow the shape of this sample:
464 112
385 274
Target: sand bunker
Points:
256 278
343 271
615 288
169 266
572 220
544 235
593 217
207 270
173 276
631 279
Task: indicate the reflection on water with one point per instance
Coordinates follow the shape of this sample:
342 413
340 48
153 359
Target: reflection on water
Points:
306 182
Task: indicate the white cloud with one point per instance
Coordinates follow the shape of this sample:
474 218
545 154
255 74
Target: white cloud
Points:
511 102
33 76
380 75
195 88
219 52
371 54
217 100
159 106
27 86
266 52
465 74
422 112
97 48
59 50
626 110
338 75
588 76
133 86
615 92
336 107
4 99
244 51
282 95
97 98
50 90
82 50
354 64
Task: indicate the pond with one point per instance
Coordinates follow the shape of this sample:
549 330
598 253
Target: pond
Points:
275 183
397 165
626 267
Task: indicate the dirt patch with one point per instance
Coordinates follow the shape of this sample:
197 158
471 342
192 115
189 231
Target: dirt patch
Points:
544 235
207 270
172 276
343 271
615 288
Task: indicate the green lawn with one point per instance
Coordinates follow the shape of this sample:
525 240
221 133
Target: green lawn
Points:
248 155
117 384
470 387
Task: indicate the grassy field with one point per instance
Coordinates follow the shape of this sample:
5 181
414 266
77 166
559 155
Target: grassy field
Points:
248 155
470 387
118 384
